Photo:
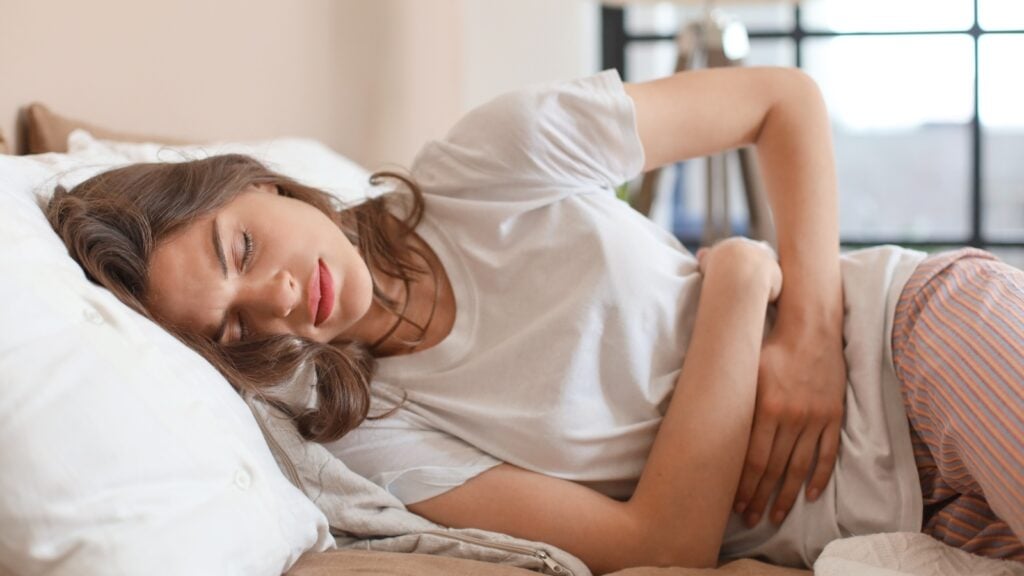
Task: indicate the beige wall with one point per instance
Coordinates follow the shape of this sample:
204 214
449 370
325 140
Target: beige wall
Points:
371 78
509 43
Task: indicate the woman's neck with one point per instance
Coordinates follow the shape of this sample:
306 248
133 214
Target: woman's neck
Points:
425 313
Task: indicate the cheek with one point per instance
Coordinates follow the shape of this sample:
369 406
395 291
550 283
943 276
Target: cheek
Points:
354 258
360 291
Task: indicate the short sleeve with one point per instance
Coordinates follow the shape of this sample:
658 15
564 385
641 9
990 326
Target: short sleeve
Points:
409 459
580 133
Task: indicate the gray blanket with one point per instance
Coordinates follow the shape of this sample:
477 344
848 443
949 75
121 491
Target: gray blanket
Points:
362 515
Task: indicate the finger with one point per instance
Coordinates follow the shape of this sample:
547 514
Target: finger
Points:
828 450
785 438
796 473
758 453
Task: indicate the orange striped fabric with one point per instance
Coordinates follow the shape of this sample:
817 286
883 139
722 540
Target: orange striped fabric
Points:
958 349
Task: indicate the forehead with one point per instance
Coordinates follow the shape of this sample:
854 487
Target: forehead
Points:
185 278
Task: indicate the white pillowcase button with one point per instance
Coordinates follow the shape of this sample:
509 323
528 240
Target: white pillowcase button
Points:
92 316
243 480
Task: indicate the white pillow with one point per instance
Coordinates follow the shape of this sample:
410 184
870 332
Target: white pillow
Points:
308 161
121 450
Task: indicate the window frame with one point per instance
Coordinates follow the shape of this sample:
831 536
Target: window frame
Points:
616 38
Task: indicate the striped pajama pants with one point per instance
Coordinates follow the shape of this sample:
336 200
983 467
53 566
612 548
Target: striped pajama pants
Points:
958 349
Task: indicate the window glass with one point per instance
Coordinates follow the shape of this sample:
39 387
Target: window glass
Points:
665 18
901 108
1000 98
1012 256
771 52
887 15
1001 14
647 60
659 18
772 17
894 81
650 60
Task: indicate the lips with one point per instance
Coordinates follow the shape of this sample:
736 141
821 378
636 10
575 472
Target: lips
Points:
321 294
314 292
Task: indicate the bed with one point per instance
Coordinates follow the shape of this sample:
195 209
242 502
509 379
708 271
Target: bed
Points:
100 474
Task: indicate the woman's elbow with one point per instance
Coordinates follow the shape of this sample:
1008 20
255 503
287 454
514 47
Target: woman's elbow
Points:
802 90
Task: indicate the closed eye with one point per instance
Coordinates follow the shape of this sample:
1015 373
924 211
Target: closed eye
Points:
243 330
249 250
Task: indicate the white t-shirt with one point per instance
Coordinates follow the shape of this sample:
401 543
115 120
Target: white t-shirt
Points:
573 315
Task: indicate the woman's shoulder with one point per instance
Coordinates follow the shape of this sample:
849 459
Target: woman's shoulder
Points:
570 133
532 102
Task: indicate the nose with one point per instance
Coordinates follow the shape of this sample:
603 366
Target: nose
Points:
272 297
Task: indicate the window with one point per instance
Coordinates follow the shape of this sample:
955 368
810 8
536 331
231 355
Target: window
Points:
927 109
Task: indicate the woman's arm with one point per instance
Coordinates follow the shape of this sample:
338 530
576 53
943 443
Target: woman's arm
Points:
802 375
678 513
704 436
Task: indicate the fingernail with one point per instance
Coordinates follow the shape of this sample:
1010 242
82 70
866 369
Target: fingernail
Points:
779 517
753 519
813 494
740 507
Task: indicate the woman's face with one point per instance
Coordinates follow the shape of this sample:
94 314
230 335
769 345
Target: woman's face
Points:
263 264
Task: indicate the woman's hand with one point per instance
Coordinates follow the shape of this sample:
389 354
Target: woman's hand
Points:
742 251
798 412
801 386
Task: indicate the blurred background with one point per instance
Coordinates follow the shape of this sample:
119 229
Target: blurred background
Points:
926 96
927 107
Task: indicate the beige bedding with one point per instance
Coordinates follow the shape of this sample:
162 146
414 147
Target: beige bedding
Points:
359 563
896 554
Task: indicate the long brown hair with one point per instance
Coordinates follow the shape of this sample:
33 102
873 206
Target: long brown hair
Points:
112 222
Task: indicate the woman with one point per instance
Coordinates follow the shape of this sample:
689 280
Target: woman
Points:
540 360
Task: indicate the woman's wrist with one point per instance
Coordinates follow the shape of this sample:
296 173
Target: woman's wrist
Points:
810 315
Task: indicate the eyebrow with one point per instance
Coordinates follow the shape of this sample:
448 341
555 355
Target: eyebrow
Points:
218 249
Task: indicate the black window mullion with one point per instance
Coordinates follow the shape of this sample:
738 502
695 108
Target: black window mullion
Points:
614 39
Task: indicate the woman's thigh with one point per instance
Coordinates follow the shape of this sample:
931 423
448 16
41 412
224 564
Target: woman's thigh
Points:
958 347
